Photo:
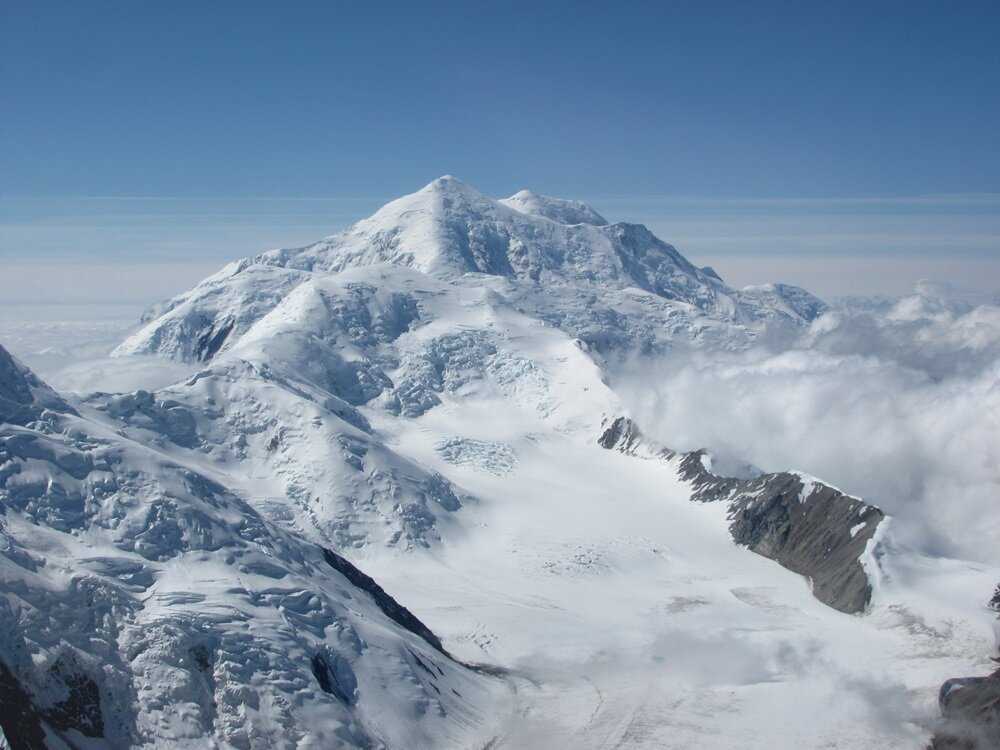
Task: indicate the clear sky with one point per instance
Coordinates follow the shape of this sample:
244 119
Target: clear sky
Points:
135 131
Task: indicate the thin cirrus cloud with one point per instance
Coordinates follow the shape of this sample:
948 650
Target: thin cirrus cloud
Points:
832 246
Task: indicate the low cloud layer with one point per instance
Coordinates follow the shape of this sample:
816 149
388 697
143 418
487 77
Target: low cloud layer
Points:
898 402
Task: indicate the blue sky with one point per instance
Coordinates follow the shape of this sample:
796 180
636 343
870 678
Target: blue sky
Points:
178 131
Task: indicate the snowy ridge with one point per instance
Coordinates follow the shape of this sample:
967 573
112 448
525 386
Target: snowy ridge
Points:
800 522
556 209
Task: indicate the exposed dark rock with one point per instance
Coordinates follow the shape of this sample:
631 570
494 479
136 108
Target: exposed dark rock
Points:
995 600
20 721
623 436
709 271
212 340
392 609
970 709
420 663
438 489
202 657
335 678
23 396
806 526
322 674
81 710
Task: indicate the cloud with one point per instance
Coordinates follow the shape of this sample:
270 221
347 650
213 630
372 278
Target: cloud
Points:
898 403
847 271
61 283
701 689
120 375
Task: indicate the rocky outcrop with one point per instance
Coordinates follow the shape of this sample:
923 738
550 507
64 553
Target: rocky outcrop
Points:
23 397
20 723
389 606
805 525
25 719
970 711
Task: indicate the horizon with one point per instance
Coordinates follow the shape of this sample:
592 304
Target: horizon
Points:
868 246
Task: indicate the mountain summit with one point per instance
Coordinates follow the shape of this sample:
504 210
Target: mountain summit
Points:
449 230
555 209
449 227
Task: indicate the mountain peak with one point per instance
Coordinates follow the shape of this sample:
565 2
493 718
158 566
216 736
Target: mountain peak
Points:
559 210
448 229
448 185
444 182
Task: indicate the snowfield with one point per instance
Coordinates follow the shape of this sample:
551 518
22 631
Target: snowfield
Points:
422 395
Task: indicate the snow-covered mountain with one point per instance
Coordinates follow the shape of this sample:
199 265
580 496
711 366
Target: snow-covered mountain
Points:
442 293
421 397
559 259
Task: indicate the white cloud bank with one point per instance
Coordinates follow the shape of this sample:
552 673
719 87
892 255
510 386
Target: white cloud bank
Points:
898 403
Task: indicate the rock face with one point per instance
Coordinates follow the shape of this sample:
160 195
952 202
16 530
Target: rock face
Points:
389 606
970 709
23 397
21 726
799 522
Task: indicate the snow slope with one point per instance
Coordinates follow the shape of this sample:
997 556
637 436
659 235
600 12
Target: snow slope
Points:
630 619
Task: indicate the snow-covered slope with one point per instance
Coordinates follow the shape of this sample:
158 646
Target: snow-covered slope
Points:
630 618
146 604
299 453
807 526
